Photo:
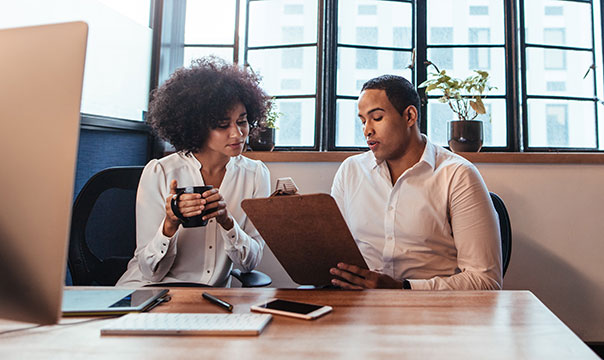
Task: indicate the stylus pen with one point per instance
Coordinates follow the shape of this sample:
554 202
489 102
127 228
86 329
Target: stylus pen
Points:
217 301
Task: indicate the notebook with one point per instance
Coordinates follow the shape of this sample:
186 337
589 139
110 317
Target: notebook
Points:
109 301
187 324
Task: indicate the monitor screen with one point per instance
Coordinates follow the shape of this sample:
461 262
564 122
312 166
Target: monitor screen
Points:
41 74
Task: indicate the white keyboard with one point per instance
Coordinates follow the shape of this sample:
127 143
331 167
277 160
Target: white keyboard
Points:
187 324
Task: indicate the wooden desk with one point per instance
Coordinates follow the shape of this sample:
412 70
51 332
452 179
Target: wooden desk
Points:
375 324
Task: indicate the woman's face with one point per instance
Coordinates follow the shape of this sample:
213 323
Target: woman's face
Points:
230 135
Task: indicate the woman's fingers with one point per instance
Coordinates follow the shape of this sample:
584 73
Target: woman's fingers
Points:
173 186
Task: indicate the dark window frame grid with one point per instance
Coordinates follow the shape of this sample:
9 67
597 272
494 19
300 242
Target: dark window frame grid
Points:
515 46
319 78
525 97
333 97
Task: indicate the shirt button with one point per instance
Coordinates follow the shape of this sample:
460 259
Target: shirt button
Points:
208 271
390 208
210 246
211 220
232 236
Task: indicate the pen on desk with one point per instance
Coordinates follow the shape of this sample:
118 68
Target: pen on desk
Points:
217 301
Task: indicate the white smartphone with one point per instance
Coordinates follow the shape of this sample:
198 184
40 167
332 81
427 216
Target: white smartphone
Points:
292 308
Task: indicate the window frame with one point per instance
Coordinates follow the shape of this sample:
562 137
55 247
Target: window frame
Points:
525 97
515 49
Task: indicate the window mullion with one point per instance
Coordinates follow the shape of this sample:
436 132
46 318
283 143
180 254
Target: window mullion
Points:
522 41
595 80
329 75
512 77
421 56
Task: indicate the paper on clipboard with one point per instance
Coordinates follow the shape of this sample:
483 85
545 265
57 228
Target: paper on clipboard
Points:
307 234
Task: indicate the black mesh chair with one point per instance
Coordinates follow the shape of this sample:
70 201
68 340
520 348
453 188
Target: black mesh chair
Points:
506 231
103 231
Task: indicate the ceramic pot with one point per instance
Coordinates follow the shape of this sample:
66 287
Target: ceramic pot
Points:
465 135
262 139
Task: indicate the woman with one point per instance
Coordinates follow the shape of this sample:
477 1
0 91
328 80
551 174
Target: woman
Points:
205 112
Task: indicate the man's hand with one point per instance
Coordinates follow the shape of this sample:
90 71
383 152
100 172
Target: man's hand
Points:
357 278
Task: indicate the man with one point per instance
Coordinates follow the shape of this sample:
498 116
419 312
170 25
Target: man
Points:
421 215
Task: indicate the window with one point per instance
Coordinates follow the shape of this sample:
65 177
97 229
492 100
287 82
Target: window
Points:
480 58
554 10
204 34
443 56
281 46
556 86
460 45
557 124
366 59
314 56
364 51
479 10
554 59
561 87
367 9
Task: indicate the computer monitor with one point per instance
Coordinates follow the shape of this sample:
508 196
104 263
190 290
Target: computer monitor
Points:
41 74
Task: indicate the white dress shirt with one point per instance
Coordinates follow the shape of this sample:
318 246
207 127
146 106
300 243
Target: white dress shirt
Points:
436 227
200 254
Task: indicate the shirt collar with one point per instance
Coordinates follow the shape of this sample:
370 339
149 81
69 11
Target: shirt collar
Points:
195 163
428 156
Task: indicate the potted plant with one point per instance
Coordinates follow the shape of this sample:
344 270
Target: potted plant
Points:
262 137
464 97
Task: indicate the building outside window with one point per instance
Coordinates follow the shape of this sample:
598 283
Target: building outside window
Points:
314 56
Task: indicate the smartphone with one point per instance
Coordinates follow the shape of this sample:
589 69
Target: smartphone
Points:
292 308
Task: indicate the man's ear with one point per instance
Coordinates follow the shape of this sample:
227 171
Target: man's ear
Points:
411 112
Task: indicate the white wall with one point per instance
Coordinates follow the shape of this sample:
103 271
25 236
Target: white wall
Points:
558 233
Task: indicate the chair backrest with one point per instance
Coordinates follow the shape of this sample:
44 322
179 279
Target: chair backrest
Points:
103 227
506 231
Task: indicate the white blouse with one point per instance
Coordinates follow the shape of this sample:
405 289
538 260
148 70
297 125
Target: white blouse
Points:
201 254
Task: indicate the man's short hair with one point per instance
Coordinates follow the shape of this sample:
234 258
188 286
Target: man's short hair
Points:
399 90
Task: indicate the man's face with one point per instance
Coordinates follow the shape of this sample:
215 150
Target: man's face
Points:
386 130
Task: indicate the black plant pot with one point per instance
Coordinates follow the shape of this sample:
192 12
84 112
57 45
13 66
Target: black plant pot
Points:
262 139
465 135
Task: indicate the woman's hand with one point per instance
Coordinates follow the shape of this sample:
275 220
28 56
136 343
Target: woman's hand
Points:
188 205
215 206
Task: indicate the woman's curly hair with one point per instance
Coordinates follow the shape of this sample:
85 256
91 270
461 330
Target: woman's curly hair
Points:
193 100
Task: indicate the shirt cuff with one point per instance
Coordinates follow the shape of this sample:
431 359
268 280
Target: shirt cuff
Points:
164 245
233 239
419 284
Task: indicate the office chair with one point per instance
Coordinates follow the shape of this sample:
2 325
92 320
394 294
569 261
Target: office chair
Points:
506 231
103 231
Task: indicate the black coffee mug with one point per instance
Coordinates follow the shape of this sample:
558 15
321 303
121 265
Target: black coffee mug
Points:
193 221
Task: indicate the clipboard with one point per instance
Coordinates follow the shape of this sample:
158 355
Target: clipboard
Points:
307 234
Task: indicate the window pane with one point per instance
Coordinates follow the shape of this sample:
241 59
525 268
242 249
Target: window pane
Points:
348 125
192 53
282 22
569 67
573 19
363 64
463 59
352 16
210 22
480 58
557 123
494 127
274 65
460 15
297 122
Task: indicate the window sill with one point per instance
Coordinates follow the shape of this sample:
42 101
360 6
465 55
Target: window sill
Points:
484 157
